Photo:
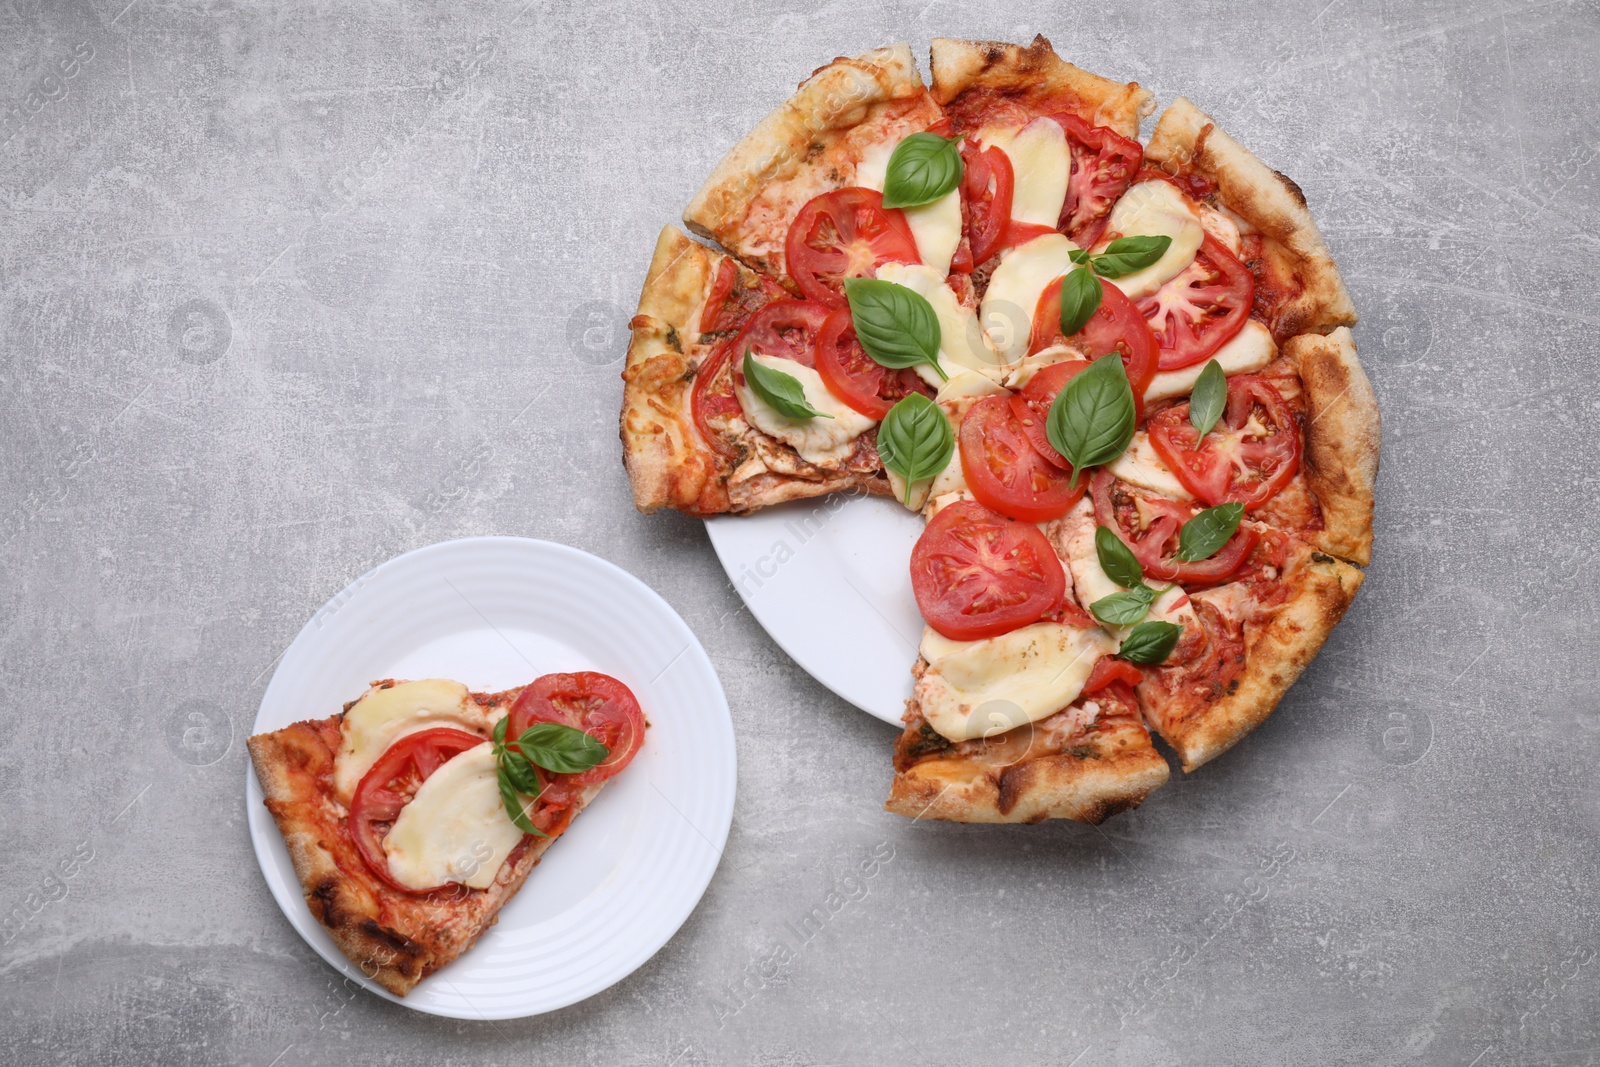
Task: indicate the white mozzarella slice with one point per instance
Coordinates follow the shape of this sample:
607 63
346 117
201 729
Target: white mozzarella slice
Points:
1250 349
1015 288
1041 163
1141 465
962 343
383 716
984 688
1156 209
1221 227
936 226
1091 583
456 828
826 442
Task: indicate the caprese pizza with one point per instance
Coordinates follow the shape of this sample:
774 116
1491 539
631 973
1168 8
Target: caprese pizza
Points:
416 813
1115 377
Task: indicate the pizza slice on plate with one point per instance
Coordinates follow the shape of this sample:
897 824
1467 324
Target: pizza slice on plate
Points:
1117 380
417 812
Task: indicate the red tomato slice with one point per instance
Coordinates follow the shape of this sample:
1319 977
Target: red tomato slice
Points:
713 399
1116 326
854 377
1201 309
977 574
1006 472
728 305
1032 405
389 786
1248 456
595 703
1155 540
1104 164
845 234
1111 669
987 184
785 328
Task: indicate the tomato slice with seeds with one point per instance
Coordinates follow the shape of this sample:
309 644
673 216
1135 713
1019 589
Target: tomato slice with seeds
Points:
855 377
843 234
1247 457
598 704
987 185
978 574
1032 405
1116 326
1150 526
729 305
1202 309
1006 472
1104 164
390 784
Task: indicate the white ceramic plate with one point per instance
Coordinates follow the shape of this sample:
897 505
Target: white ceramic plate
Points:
495 612
830 579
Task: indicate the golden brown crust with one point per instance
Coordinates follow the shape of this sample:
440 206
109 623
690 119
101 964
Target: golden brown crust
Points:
667 462
395 939
809 145
1187 141
1277 647
1038 80
1344 433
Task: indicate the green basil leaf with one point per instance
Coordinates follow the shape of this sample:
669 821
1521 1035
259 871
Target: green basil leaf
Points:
1209 398
1203 535
915 440
500 730
1091 421
1080 299
1150 642
1079 256
1128 254
514 808
895 325
923 168
1126 608
782 391
519 772
560 748
1116 558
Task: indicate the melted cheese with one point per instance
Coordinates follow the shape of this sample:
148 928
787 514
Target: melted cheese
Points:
383 716
824 442
1251 349
1140 465
962 343
983 688
1091 583
1041 163
1156 209
456 828
1221 227
936 225
1015 288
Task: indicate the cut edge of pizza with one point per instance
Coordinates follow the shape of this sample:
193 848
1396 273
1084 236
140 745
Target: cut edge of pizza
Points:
395 814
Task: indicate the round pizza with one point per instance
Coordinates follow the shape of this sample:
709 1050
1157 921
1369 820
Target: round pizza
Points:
1115 377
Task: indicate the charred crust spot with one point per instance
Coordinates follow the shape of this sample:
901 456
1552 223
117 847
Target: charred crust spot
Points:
1294 190
405 948
672 340
1013 783
1233 687
1320 557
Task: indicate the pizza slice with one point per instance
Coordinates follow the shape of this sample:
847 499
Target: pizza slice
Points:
417 812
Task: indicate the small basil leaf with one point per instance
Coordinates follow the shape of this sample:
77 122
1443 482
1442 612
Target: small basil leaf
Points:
895 325
500 730
1125 608
519 772
514 808
782 391
1206 533
923 168
1080 299
1128 254
1116 558
1091 420
1209 398
1150 642
560 748
915 440
1079 256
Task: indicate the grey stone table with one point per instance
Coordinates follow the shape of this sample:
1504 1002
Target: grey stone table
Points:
291 288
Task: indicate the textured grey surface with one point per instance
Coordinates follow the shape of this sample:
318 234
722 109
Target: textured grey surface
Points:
291 288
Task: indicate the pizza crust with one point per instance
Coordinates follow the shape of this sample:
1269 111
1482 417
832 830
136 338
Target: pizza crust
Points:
809 145
1276 649
289 764
1038 80
1187 141
1344 433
